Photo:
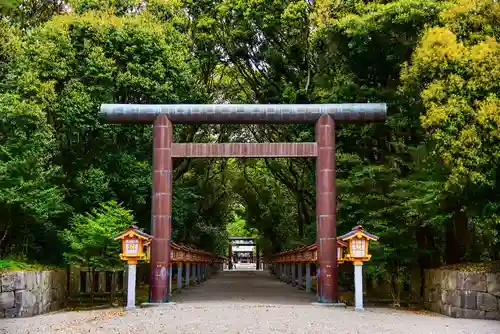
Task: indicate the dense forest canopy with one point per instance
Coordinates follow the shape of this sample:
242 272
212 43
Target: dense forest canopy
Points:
425 181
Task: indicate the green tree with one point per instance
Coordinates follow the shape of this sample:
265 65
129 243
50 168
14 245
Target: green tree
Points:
73 63
90 236
28 14
453 77
30 203
90 239
238 226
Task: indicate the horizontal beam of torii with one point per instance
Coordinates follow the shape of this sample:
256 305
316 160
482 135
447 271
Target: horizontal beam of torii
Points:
242 241
324 116
244 113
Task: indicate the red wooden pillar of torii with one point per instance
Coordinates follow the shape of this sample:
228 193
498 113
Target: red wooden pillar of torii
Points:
161 211
326 210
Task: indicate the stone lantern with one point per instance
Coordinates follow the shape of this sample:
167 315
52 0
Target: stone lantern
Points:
358 240
133 243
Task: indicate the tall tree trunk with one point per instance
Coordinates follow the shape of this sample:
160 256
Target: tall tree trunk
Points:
423 258
428 256
462 235
451 254
300 218
457 235
396 284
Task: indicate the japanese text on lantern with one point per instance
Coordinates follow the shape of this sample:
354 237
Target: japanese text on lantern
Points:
132 247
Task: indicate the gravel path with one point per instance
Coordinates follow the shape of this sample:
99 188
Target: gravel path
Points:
246 302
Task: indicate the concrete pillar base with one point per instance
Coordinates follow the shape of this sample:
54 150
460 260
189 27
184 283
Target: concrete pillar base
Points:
329 304
147 305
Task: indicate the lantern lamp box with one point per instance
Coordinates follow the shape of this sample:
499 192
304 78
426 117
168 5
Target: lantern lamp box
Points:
340 250
133 243
358 240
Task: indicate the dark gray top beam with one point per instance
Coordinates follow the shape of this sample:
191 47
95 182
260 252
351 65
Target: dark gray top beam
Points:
244 113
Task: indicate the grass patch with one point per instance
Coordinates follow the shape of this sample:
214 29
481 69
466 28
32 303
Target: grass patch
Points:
12 264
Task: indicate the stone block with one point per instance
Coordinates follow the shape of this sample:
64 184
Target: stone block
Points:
471 281
437 307
431 306
493 284
45 280
30 278
454 298
57 294
449 279
24 299
444 296
59 280
46 296
492 316
427 277
45 287
7 300
26 303
487 302
473 314
431 278
456 312
55 277
11 313
44 307
438 277
435 296
427 295
447 309
56 306
38 276
26 312
11 281
469 300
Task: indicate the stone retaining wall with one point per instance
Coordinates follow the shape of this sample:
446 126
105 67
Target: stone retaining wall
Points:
463 294
24 294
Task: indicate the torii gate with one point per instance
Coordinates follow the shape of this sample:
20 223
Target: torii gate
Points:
243 241
323 149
